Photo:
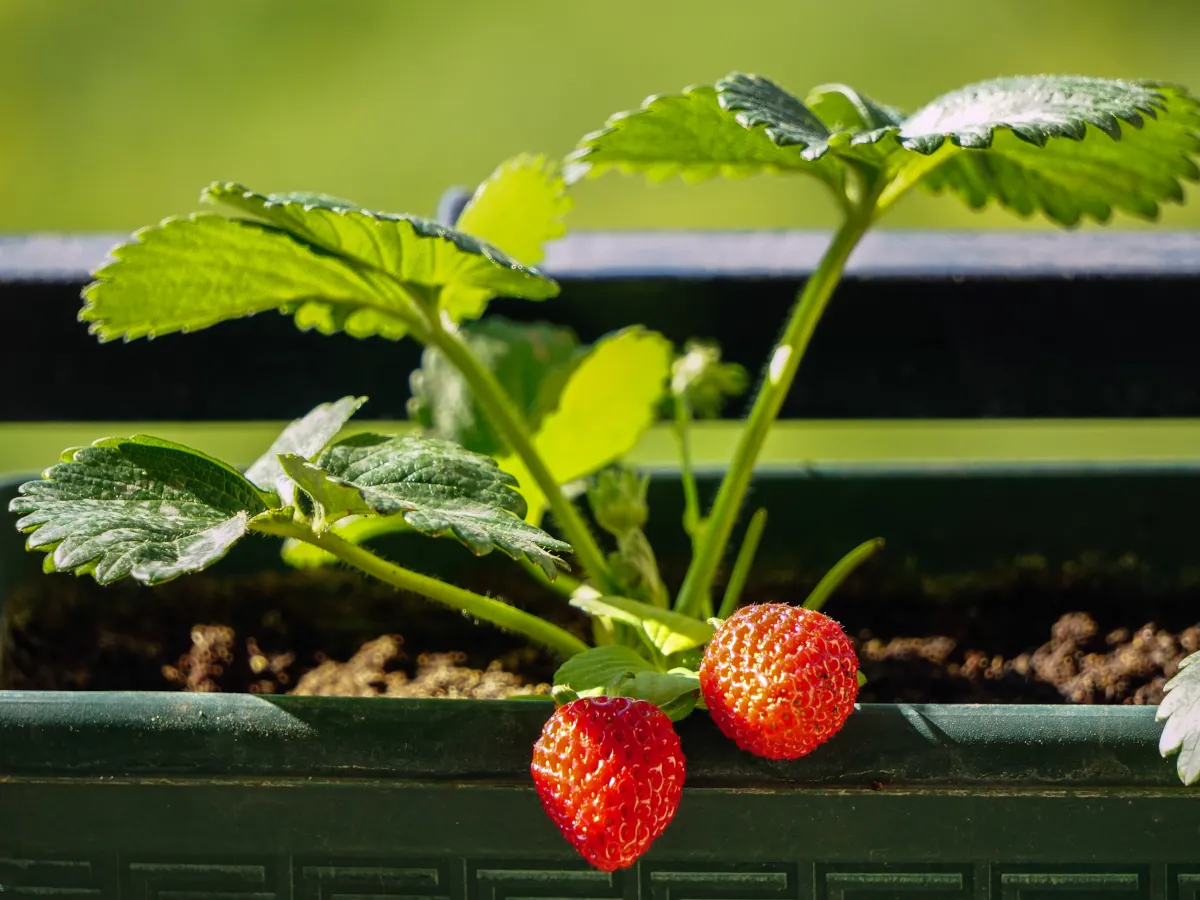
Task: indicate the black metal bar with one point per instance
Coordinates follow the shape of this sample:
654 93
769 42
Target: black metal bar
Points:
925 325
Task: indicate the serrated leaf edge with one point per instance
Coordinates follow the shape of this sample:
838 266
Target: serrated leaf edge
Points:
496 256
1109 123
68 456
749 121
104 274
576 168
548 169
1167 709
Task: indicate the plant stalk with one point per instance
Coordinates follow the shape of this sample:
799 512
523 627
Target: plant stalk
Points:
743 564
496 403
501 614
692 523
695 594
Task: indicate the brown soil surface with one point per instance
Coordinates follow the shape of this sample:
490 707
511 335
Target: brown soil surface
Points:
332 632
1079 664
329 632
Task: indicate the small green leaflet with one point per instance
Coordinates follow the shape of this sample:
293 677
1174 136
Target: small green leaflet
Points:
519 209
438 487
333 498
617 671
670 632
137 507
531 361
305 437
601 667
1180 709
686 134
611 398
843 109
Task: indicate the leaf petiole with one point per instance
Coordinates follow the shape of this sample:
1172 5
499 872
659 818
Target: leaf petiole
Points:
496 612
694 596
496 404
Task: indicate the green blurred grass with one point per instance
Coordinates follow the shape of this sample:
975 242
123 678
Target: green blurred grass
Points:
114 114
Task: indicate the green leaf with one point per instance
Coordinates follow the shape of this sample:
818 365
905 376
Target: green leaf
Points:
759 101
791 123
1024 142
686 134
862 679
1031 147
333 265
439 488
136 507
1180 710
519 209
617 671
531 362
663 689
682 706
601 667
417 252
669 631
843 109
333 498
611 398
305 437
190 273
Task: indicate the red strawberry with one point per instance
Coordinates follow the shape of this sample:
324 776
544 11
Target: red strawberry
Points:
778 680
609 771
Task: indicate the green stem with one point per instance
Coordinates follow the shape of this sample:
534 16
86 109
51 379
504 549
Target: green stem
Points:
490 395
507 617
691 496
694 596
841 571
741 567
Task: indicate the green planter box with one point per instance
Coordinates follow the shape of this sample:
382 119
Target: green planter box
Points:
182 796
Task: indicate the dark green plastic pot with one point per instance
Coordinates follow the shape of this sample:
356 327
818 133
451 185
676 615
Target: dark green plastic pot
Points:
205 795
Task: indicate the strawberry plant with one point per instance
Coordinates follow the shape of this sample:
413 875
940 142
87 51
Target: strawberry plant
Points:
517 421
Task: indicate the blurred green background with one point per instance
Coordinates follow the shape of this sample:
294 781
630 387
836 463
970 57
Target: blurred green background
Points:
116 113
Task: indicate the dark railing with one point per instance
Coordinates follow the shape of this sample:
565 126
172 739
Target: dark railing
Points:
925 325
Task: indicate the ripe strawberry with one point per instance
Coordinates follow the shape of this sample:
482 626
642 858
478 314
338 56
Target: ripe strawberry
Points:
778 680
610 774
